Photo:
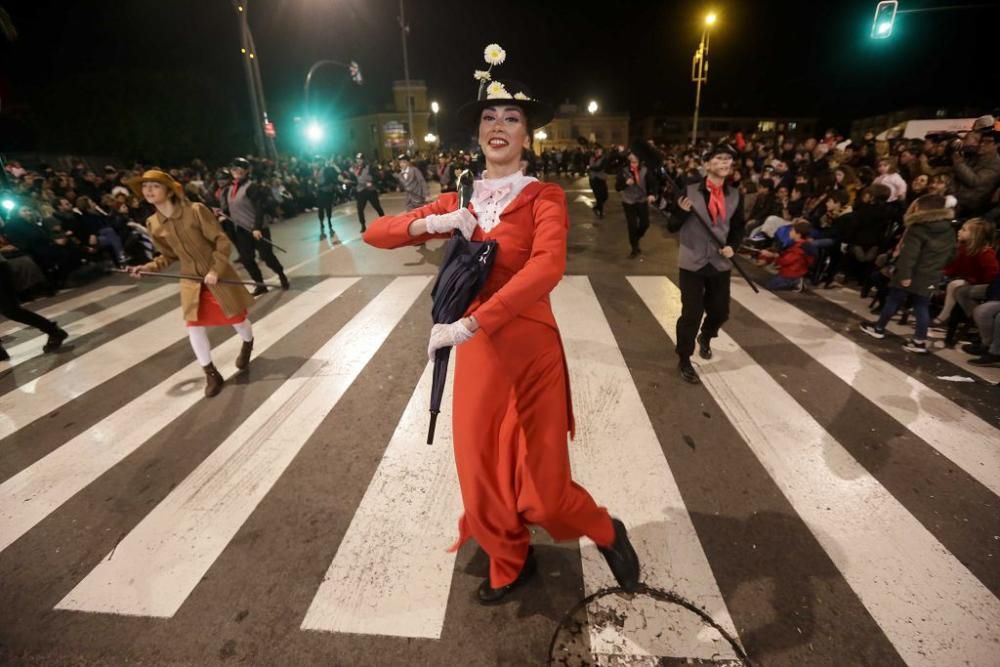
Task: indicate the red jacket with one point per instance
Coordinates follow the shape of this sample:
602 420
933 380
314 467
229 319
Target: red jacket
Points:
977 269
794 261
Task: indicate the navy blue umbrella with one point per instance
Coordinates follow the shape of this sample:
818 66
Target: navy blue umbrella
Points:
464 270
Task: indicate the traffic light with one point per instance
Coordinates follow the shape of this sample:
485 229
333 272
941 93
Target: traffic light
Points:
885 15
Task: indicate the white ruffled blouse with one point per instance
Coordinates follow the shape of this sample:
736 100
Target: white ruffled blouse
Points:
491 196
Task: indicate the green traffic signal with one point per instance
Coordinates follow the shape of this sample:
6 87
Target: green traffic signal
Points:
885 16
8 204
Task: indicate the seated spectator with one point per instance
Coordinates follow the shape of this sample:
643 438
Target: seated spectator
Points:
987 318
928 245
794 261
95 231
972 270
868 232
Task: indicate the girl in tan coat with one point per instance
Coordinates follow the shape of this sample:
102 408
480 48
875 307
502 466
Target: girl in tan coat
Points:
190 233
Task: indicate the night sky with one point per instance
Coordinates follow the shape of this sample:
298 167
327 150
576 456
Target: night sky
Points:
82 63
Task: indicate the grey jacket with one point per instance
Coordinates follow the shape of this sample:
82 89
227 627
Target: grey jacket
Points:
697 249
363 179
414 186
976 180
637 192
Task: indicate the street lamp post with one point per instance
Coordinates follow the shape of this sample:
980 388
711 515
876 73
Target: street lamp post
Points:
314 130
246 50
404 29
699 72
435 107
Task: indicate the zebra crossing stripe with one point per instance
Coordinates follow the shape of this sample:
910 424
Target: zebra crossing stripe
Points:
38 490
159 563
86 325
618 458
57 310
392 572
961 436
932 609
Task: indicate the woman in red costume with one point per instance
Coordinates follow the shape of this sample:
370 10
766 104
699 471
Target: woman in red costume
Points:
512 408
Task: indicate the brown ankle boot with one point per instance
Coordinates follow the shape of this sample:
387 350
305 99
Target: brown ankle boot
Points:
213 380
243 360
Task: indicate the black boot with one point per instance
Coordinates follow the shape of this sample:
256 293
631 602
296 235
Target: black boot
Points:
243 360
704 346
260 289
55 340
621 558
3 354
688 372
213 380
283 280
489 595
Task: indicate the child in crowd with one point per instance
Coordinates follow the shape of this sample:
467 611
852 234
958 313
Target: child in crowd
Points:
928 245
794 261
973 268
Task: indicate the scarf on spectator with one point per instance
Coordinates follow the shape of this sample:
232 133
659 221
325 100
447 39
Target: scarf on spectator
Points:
716 202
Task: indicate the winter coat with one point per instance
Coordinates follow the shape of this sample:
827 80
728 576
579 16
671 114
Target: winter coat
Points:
195 238
928 245
869 227
975 182
794 262
978 269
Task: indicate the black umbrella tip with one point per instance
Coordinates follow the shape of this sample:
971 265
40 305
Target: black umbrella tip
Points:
430 431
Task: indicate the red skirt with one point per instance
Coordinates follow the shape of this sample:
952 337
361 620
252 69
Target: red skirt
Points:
210 313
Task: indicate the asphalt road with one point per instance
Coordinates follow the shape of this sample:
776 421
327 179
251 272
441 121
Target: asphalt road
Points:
823 498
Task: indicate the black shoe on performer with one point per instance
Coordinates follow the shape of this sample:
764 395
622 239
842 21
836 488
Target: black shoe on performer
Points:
688 372
704 346
488 595
621 558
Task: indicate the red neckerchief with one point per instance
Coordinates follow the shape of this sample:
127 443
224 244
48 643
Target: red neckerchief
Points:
716 202
635 174
236 186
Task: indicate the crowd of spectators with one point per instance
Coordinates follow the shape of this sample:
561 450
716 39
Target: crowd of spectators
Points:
837 207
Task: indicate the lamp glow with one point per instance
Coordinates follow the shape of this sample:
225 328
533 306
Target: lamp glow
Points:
430 138
540 135
8 205
314 132
435 107
710 19
592 107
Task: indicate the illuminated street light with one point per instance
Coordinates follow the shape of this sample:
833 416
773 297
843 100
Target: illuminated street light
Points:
315 132
592 107
699 72
435 107
430 138
540 135
8 204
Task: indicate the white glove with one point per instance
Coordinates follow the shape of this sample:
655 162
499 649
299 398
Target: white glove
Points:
447 335
462 220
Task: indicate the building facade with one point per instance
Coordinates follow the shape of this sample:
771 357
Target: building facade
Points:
386 134
570 125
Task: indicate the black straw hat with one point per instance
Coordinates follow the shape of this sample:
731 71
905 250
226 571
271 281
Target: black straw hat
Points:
497 93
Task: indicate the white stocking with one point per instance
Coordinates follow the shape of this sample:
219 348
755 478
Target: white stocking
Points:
244 330
199 343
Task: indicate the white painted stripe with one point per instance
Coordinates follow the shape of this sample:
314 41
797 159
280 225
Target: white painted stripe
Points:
86 325
392 572
38 490
57 310
61 385
618 458
851 300
159 563
933 610
961 436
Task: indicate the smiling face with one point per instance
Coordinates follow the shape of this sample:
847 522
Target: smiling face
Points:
720 166
503 134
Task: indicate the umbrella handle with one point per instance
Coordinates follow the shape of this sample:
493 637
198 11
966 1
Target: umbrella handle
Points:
430 431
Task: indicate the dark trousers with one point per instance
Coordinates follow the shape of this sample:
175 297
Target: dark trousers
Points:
600 188
364 198
703 293
637 218
324 207
246 244
12 309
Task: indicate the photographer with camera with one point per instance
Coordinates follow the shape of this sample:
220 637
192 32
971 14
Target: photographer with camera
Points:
976 168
